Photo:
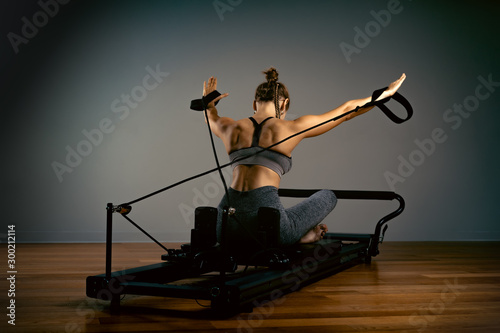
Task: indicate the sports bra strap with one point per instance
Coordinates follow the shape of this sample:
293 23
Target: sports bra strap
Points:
257 130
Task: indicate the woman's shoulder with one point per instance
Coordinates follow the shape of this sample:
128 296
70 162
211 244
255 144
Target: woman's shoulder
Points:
242 123
238 126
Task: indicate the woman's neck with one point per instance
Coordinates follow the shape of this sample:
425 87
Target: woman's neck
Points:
265 109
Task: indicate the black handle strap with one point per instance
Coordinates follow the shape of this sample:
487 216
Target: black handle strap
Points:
201 104
397 97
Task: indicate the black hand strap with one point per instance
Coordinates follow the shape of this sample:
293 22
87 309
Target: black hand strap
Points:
397 97
201 104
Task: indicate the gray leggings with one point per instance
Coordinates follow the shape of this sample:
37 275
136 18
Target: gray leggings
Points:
295 221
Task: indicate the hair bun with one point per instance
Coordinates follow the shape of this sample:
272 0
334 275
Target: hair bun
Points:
271 75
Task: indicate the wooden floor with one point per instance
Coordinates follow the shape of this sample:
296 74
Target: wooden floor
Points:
409 287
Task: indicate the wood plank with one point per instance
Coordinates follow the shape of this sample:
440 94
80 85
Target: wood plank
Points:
410 286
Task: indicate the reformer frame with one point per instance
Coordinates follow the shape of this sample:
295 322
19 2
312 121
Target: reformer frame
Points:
218 268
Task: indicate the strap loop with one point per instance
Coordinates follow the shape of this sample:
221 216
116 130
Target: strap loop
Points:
202 103
397 97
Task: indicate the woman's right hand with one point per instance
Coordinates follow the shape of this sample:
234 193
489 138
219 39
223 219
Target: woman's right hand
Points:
209 87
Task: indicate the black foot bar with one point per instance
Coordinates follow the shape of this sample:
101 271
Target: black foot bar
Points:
378 235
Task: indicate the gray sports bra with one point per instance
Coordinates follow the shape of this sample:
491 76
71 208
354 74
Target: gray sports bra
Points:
271 159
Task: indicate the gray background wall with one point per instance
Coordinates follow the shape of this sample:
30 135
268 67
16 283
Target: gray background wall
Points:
66 75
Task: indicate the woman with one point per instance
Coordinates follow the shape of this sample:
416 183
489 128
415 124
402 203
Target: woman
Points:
256 179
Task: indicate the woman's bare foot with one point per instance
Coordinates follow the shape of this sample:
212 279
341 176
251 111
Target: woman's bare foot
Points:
315 234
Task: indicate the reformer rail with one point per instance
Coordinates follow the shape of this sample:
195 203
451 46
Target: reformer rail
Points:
344 250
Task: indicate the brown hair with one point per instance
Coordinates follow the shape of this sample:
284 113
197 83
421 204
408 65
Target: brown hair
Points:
272 90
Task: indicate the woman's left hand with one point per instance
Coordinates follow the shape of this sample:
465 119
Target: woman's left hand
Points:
393 87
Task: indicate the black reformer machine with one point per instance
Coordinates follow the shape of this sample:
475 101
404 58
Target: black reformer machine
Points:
237 275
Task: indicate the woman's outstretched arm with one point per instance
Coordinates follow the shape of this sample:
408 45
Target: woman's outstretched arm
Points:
308 121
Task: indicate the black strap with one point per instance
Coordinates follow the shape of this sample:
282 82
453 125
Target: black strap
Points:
257 130
202 103
397 97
